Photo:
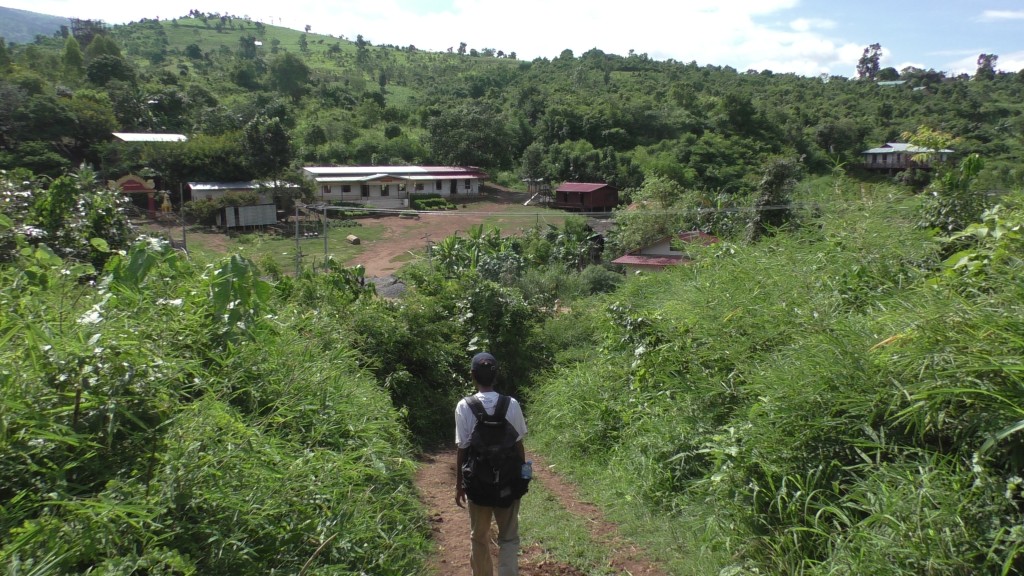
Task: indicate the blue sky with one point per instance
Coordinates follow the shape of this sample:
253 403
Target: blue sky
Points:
808 37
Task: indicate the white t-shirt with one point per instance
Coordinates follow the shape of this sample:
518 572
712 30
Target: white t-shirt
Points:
465 421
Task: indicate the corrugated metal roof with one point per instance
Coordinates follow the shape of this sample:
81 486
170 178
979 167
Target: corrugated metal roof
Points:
652 261
206 186
373 177
141 137
698 237
893 147
243 185
356 171
582 187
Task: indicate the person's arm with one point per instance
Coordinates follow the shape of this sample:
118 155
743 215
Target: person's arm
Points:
522 450
460 490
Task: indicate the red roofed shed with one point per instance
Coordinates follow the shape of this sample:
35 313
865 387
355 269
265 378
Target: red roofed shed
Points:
660 254
586 197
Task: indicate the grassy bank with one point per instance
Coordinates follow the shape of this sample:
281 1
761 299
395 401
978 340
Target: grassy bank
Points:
838 400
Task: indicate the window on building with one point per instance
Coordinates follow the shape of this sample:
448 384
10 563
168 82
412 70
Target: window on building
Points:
419 186
345 188
365 191
468 185
385 189
437 185
325 189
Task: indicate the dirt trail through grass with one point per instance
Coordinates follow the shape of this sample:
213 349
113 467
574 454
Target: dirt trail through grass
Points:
436 483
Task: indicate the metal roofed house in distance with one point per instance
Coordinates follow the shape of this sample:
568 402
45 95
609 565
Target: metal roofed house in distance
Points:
900 156
144 137
392 186
263 213
216 190
586 197
661 253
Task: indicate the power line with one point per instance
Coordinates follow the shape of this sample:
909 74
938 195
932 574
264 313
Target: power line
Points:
608 215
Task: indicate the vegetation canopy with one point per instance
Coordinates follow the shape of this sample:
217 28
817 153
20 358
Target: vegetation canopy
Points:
832 388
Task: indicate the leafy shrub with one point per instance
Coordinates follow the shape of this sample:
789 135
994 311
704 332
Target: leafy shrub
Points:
204 211
599 280
430 202
159 421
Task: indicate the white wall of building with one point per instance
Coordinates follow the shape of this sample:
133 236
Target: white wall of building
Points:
375 192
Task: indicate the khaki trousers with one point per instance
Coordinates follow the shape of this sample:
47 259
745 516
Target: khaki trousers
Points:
507 520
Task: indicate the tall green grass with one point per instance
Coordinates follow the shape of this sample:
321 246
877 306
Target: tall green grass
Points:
831 401
182 418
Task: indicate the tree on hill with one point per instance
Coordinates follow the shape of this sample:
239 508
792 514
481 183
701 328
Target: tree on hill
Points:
289 75
868 65
105 68
268 147
73 59
470 133
102 45
86 30
986 67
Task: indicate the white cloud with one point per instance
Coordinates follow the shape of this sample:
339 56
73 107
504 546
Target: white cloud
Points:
1013 62
808 24
996 15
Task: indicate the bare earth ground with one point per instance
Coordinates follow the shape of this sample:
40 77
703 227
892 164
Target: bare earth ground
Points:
436 483
382 257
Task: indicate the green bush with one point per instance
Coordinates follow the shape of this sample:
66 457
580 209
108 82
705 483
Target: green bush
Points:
182 420
204 211
430 202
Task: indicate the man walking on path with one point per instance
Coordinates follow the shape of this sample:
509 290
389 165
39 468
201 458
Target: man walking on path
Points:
484 369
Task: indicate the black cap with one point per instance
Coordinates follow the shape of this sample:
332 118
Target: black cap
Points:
484 367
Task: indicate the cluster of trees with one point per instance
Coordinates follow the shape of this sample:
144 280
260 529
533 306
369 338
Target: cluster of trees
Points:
595 117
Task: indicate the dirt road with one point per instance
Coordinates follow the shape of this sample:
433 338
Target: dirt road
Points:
404 235
436 484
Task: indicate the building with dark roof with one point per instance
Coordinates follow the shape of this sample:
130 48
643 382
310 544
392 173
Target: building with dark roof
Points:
657 255
586 197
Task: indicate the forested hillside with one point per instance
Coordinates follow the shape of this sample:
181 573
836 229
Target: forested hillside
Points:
832 388
259 100
22 26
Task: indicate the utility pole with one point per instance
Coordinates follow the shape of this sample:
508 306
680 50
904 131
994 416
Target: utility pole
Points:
181 213
298 247
325 234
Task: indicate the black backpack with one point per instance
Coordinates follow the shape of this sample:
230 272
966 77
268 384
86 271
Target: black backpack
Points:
492 470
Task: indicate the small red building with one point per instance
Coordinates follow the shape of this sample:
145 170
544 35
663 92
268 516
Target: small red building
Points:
657 256
586 197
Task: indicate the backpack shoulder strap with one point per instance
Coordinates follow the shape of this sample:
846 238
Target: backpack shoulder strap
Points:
501 408
477 407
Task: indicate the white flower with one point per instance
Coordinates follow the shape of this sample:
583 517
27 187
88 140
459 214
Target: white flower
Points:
93 316
156 243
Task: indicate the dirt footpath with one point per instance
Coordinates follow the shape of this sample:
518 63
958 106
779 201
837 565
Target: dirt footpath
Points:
435 481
